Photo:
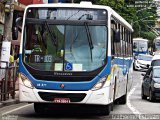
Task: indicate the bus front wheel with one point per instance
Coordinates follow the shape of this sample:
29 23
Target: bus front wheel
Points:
122 100
39 108
105 110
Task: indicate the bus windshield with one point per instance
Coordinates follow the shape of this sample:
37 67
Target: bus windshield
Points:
156 73
157 44
140 46
65 39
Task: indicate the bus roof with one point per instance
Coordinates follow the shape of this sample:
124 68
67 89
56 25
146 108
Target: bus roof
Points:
157 37
85 5
139 39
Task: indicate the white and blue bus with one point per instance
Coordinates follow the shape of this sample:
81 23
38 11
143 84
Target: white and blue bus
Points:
156 44
140 46
77 54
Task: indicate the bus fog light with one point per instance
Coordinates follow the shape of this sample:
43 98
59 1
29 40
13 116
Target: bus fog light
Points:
99 84
26 81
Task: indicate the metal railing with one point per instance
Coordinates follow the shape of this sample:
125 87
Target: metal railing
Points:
8 80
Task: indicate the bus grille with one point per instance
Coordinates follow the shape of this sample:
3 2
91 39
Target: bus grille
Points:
74 97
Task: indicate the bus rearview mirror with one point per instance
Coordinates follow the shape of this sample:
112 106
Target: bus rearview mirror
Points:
15 28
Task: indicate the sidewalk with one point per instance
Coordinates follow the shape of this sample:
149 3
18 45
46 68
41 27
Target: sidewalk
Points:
10 101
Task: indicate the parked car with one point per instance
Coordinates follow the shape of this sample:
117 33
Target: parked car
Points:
151 84
142 62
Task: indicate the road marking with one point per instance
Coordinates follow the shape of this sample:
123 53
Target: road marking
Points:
131 107
16 109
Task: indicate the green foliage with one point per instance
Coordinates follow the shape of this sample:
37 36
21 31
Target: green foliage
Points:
117 5
148 35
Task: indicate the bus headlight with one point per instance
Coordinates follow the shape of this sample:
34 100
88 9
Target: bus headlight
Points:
26 81
99 84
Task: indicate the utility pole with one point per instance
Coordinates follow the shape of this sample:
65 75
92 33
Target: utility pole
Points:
6 44
9 8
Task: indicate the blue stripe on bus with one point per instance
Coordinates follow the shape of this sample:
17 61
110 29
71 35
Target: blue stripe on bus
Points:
54 85
137 53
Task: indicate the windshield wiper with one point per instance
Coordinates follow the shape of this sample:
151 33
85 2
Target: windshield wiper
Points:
88 17
73 14
89 39
53 36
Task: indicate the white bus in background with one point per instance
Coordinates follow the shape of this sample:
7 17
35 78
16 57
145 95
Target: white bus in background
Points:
156 44
74 54
140 46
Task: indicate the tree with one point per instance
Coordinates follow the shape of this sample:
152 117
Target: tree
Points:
149 35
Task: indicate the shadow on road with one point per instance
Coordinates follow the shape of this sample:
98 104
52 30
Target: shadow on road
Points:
68 112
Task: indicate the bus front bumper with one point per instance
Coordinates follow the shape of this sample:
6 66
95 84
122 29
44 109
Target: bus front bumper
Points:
100 97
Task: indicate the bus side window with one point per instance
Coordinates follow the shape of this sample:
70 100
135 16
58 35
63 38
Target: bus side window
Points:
112 43
112 37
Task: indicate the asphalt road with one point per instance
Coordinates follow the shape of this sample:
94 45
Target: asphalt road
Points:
136 108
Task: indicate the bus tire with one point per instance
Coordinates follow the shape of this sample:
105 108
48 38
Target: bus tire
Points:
39 108
123 99
142 94
111 106
105 110
151 96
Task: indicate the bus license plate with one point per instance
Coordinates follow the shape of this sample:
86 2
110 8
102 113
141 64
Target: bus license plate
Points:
61 100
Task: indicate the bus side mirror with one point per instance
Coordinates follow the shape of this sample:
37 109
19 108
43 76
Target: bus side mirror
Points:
117 36
15 28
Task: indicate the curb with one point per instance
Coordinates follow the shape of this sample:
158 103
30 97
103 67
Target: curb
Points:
8 102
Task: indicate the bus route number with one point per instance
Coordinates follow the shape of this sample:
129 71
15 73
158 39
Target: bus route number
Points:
45 58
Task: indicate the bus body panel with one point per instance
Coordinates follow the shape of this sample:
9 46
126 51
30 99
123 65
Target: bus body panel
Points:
103 96
117 72
100 97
